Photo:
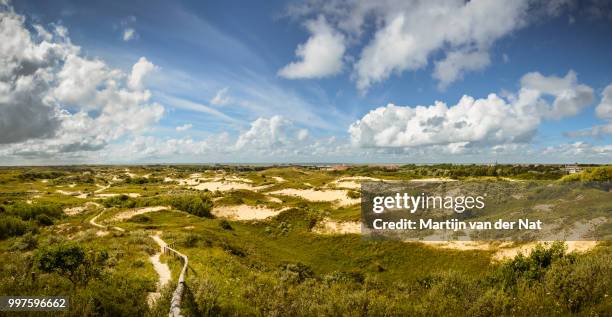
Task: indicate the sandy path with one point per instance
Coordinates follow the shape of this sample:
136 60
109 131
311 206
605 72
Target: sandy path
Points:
95 224
138 211
162 269
101 188
79 209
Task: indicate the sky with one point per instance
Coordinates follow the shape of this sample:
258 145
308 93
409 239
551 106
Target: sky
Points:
117 82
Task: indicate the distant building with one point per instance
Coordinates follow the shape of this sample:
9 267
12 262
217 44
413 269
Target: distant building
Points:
572 169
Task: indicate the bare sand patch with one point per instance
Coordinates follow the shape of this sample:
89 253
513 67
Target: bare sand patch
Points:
79 209
457 245
279 179
222 186
338 196
101 233
328 226
543 207
68 193
274 199
353 182
138 211
246 212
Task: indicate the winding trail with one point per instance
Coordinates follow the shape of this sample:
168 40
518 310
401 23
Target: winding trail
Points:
162 269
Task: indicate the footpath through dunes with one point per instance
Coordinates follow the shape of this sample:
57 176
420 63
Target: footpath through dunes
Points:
162 269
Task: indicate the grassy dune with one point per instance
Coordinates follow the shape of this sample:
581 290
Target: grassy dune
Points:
278 266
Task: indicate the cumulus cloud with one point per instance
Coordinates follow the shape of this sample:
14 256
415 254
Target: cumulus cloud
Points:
455 64
139 71
320 56
408 35
604 108
470 123
184 127
55 101
221 97
275 135
603 111
26 69
570 97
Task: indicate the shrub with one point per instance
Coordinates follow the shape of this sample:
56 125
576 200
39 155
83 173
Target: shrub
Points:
44 220
225 225
27 242
191 240
32 211
71 261
199 205
353 194
11 226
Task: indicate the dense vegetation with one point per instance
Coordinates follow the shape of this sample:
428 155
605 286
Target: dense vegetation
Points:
278 266
195 204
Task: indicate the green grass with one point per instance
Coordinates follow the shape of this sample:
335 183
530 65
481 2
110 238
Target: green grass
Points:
278 267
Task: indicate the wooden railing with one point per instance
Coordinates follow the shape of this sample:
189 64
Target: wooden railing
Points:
177 296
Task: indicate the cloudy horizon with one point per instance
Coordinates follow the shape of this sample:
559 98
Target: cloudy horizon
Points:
526 81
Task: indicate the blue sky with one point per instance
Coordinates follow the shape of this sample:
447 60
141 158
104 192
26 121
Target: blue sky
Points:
217 83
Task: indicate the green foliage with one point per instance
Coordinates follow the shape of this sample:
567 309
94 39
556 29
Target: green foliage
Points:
12 226
225 225
353 194
142 180
32 211
595 174
71 261
199 205
26 242
532 267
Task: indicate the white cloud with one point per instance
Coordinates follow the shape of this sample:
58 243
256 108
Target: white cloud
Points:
184 127
570 97
273 136
129 34
473 122
456 63
198 107
221 97
79 80
265 134
411 33
407 35
603 111
139 71
320 56
55 102
302 134
604 108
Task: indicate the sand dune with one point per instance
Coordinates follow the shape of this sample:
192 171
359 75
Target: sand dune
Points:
331 195
246 212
